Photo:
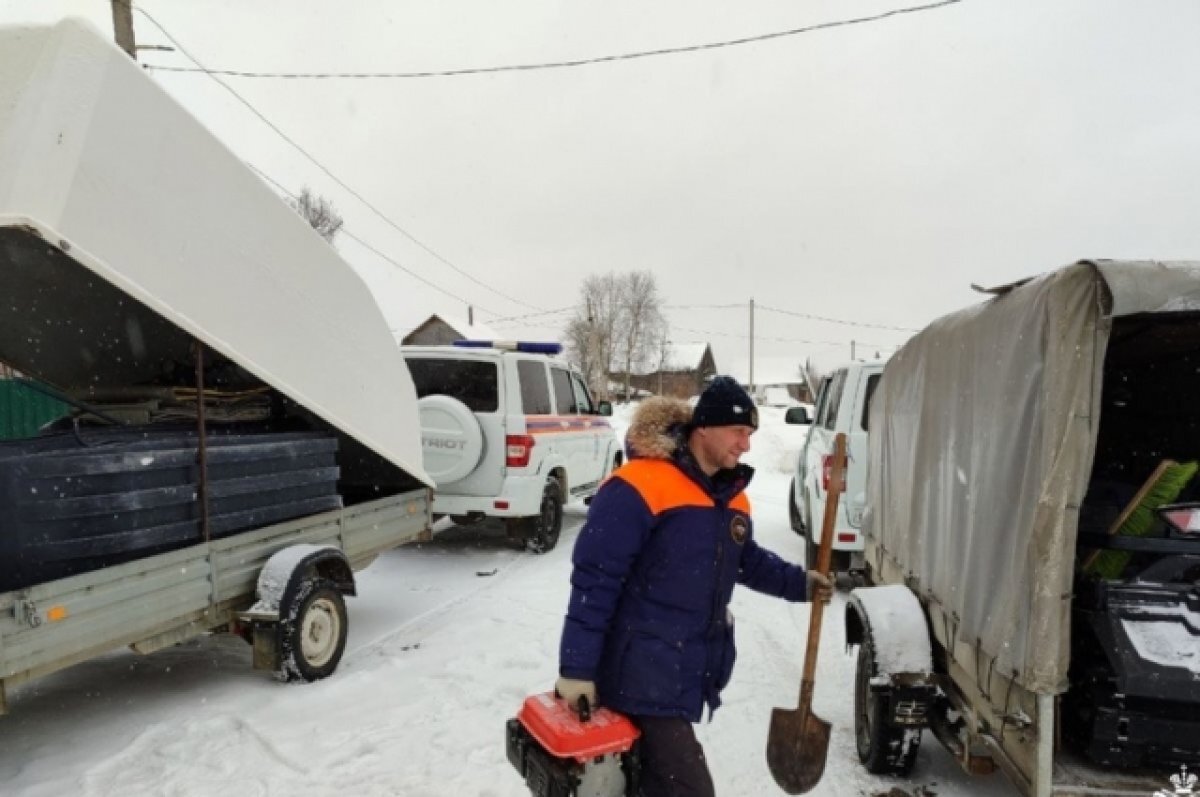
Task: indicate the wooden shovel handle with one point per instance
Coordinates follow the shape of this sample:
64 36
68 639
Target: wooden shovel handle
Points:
837 485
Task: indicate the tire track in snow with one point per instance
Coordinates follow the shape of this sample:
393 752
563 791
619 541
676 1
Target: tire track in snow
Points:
520 561
154 762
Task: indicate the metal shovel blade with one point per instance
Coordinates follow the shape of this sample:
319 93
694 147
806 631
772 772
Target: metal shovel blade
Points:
796 747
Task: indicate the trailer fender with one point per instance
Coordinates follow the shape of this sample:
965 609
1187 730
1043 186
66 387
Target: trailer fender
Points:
300 562
299 624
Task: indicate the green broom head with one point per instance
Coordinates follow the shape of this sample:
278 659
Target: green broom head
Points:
1111 564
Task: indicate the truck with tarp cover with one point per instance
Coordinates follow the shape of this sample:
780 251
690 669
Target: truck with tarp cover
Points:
243 434
1034 577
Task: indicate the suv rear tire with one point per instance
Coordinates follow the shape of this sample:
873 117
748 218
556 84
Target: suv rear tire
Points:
542 530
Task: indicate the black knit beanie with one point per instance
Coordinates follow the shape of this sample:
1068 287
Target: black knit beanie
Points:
724 403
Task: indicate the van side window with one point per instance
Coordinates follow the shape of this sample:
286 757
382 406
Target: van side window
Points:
564 394
582 399
833 397
872 383
535 388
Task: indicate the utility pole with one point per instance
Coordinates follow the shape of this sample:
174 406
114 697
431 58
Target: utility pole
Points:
122 11
751 375
851 351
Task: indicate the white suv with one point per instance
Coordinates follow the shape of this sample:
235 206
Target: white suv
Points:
843 405
510 433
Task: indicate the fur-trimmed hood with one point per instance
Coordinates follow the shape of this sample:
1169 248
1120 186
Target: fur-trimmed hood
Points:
657 428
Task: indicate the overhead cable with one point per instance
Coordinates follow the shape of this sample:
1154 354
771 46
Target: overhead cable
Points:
811 317
326 170
576 62
768 339
346 232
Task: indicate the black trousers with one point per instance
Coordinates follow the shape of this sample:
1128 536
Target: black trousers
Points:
673 763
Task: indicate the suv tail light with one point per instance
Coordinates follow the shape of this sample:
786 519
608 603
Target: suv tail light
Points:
518 449
1185 519
826 471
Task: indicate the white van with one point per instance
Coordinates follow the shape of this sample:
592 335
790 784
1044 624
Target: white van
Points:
843 405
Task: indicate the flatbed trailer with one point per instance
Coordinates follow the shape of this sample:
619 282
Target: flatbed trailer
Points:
151 280
152 603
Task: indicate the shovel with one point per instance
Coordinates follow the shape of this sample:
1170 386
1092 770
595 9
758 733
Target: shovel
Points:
799 740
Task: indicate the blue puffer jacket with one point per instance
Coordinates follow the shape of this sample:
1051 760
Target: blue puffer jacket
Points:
654 568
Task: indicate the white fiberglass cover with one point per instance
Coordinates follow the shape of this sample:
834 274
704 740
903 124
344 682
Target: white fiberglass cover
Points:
127 229
983 432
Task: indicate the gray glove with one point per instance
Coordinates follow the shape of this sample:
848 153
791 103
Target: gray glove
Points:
571 689
818 586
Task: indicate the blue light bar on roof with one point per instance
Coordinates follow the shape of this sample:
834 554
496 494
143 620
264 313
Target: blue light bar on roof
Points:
526 346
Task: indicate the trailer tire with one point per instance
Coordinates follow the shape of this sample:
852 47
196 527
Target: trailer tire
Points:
883 749
313 631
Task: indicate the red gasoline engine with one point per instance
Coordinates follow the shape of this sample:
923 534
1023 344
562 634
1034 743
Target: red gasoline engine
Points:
564 754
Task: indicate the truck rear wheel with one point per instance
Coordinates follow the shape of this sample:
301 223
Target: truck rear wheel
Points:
883 749
313 631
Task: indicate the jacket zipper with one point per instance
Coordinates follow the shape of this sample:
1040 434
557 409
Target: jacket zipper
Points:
711 673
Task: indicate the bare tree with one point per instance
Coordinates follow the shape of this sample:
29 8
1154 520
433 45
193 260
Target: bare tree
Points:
591 332
642 322
319 212
617 327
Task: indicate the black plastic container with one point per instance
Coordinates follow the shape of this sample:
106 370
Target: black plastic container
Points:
75 502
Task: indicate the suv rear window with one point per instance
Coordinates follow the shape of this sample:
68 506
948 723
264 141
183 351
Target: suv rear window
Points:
535 390
473 382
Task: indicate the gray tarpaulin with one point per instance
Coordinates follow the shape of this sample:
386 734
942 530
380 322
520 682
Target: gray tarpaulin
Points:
983 431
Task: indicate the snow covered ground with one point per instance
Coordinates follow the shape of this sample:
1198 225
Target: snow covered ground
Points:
446 640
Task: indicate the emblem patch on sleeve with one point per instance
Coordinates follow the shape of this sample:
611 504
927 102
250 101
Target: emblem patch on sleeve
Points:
739 527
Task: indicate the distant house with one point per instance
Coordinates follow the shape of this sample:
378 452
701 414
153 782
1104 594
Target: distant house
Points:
440 329
775 371
684 370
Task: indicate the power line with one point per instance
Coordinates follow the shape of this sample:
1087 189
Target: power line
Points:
603 59
325 169
514 318
346 232
774 340
834 320
704 306
733 306
743 306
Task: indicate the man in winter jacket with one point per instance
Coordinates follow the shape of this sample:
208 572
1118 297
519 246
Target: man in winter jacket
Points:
648 631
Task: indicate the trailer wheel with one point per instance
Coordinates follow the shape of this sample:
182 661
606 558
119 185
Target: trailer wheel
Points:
543 528
313 632
883 749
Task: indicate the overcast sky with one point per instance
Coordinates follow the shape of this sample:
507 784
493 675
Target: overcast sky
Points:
868 173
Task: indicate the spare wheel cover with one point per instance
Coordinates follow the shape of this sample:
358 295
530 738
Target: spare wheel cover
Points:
451 440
